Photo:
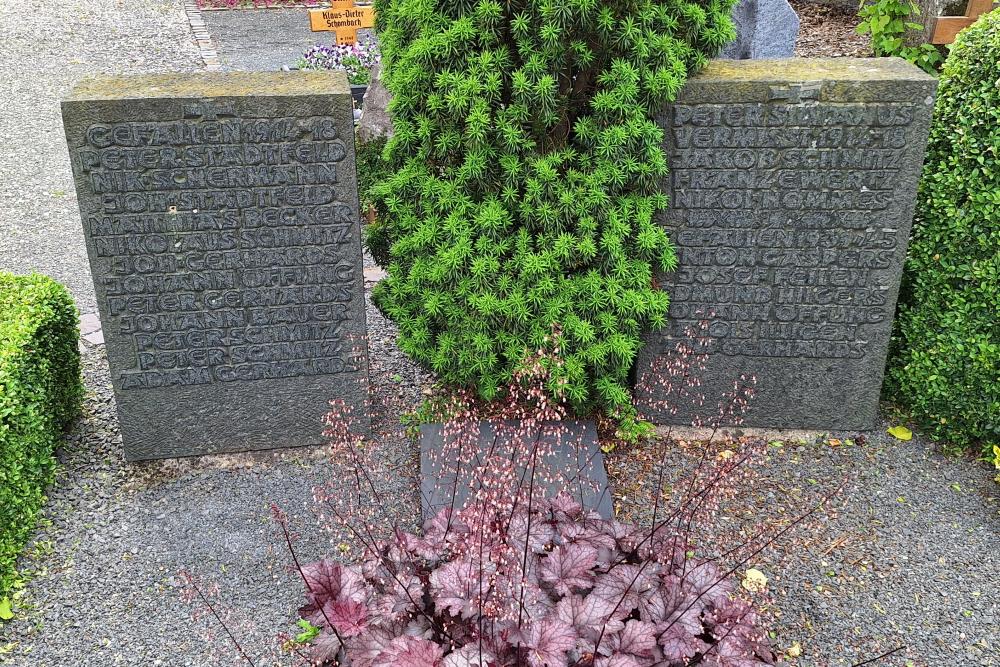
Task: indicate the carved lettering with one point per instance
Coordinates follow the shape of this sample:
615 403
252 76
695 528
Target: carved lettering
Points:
781 218
227 251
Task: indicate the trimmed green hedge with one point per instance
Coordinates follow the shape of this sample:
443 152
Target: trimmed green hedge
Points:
946 365
40 392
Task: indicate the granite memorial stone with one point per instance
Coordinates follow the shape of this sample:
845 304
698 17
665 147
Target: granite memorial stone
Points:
792 189
220 213
764 29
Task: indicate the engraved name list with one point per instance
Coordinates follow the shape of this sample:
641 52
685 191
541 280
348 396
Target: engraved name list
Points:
221 218
228 253
783 224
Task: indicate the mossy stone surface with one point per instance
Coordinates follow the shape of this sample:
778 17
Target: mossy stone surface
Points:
792 190
209 84
834 80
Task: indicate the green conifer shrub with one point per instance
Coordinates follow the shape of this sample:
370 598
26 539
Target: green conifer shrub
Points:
946 365
529 174
40 393
371 168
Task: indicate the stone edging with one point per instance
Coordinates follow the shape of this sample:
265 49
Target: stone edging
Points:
317 5
201 35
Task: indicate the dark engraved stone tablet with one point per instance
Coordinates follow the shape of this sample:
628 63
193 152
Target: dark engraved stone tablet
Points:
220 213
568 459
792 186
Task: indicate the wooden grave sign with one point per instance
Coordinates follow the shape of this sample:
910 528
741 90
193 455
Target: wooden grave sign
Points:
947 27
344 18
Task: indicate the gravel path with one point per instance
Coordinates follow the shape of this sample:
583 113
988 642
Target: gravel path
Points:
905 556
262 39
102 571
45 48
105 588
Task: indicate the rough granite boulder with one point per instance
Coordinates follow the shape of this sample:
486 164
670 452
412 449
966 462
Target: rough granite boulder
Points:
375 120
764 29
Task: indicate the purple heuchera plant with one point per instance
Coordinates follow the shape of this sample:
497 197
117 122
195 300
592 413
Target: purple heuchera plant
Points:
511 577
585 592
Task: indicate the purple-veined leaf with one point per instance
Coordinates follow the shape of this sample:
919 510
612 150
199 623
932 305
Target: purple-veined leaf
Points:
637 638
653 607
349 617
732 651
587 615
409 651
622 533
537 603
444 525
735 622
625 585
324 648
680 645
547 642
705 580
590 536
541 533
364 649
565 507
618 660
689 619
568 568
329 580
398 601
452 588
469 655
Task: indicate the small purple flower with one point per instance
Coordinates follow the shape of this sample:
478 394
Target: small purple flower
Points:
355 59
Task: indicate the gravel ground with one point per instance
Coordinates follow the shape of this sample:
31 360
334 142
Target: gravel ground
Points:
45 48
827 31
268 39
906 555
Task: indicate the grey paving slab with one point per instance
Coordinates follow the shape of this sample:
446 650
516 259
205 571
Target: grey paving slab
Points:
571 461
262 39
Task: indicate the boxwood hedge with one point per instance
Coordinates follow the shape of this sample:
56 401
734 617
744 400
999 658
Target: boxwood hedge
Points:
40 391
946 365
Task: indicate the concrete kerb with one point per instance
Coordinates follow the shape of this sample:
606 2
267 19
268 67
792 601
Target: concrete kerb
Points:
209 54
704 434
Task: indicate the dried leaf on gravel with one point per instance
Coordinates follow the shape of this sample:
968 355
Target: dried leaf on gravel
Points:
754 580
901 433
